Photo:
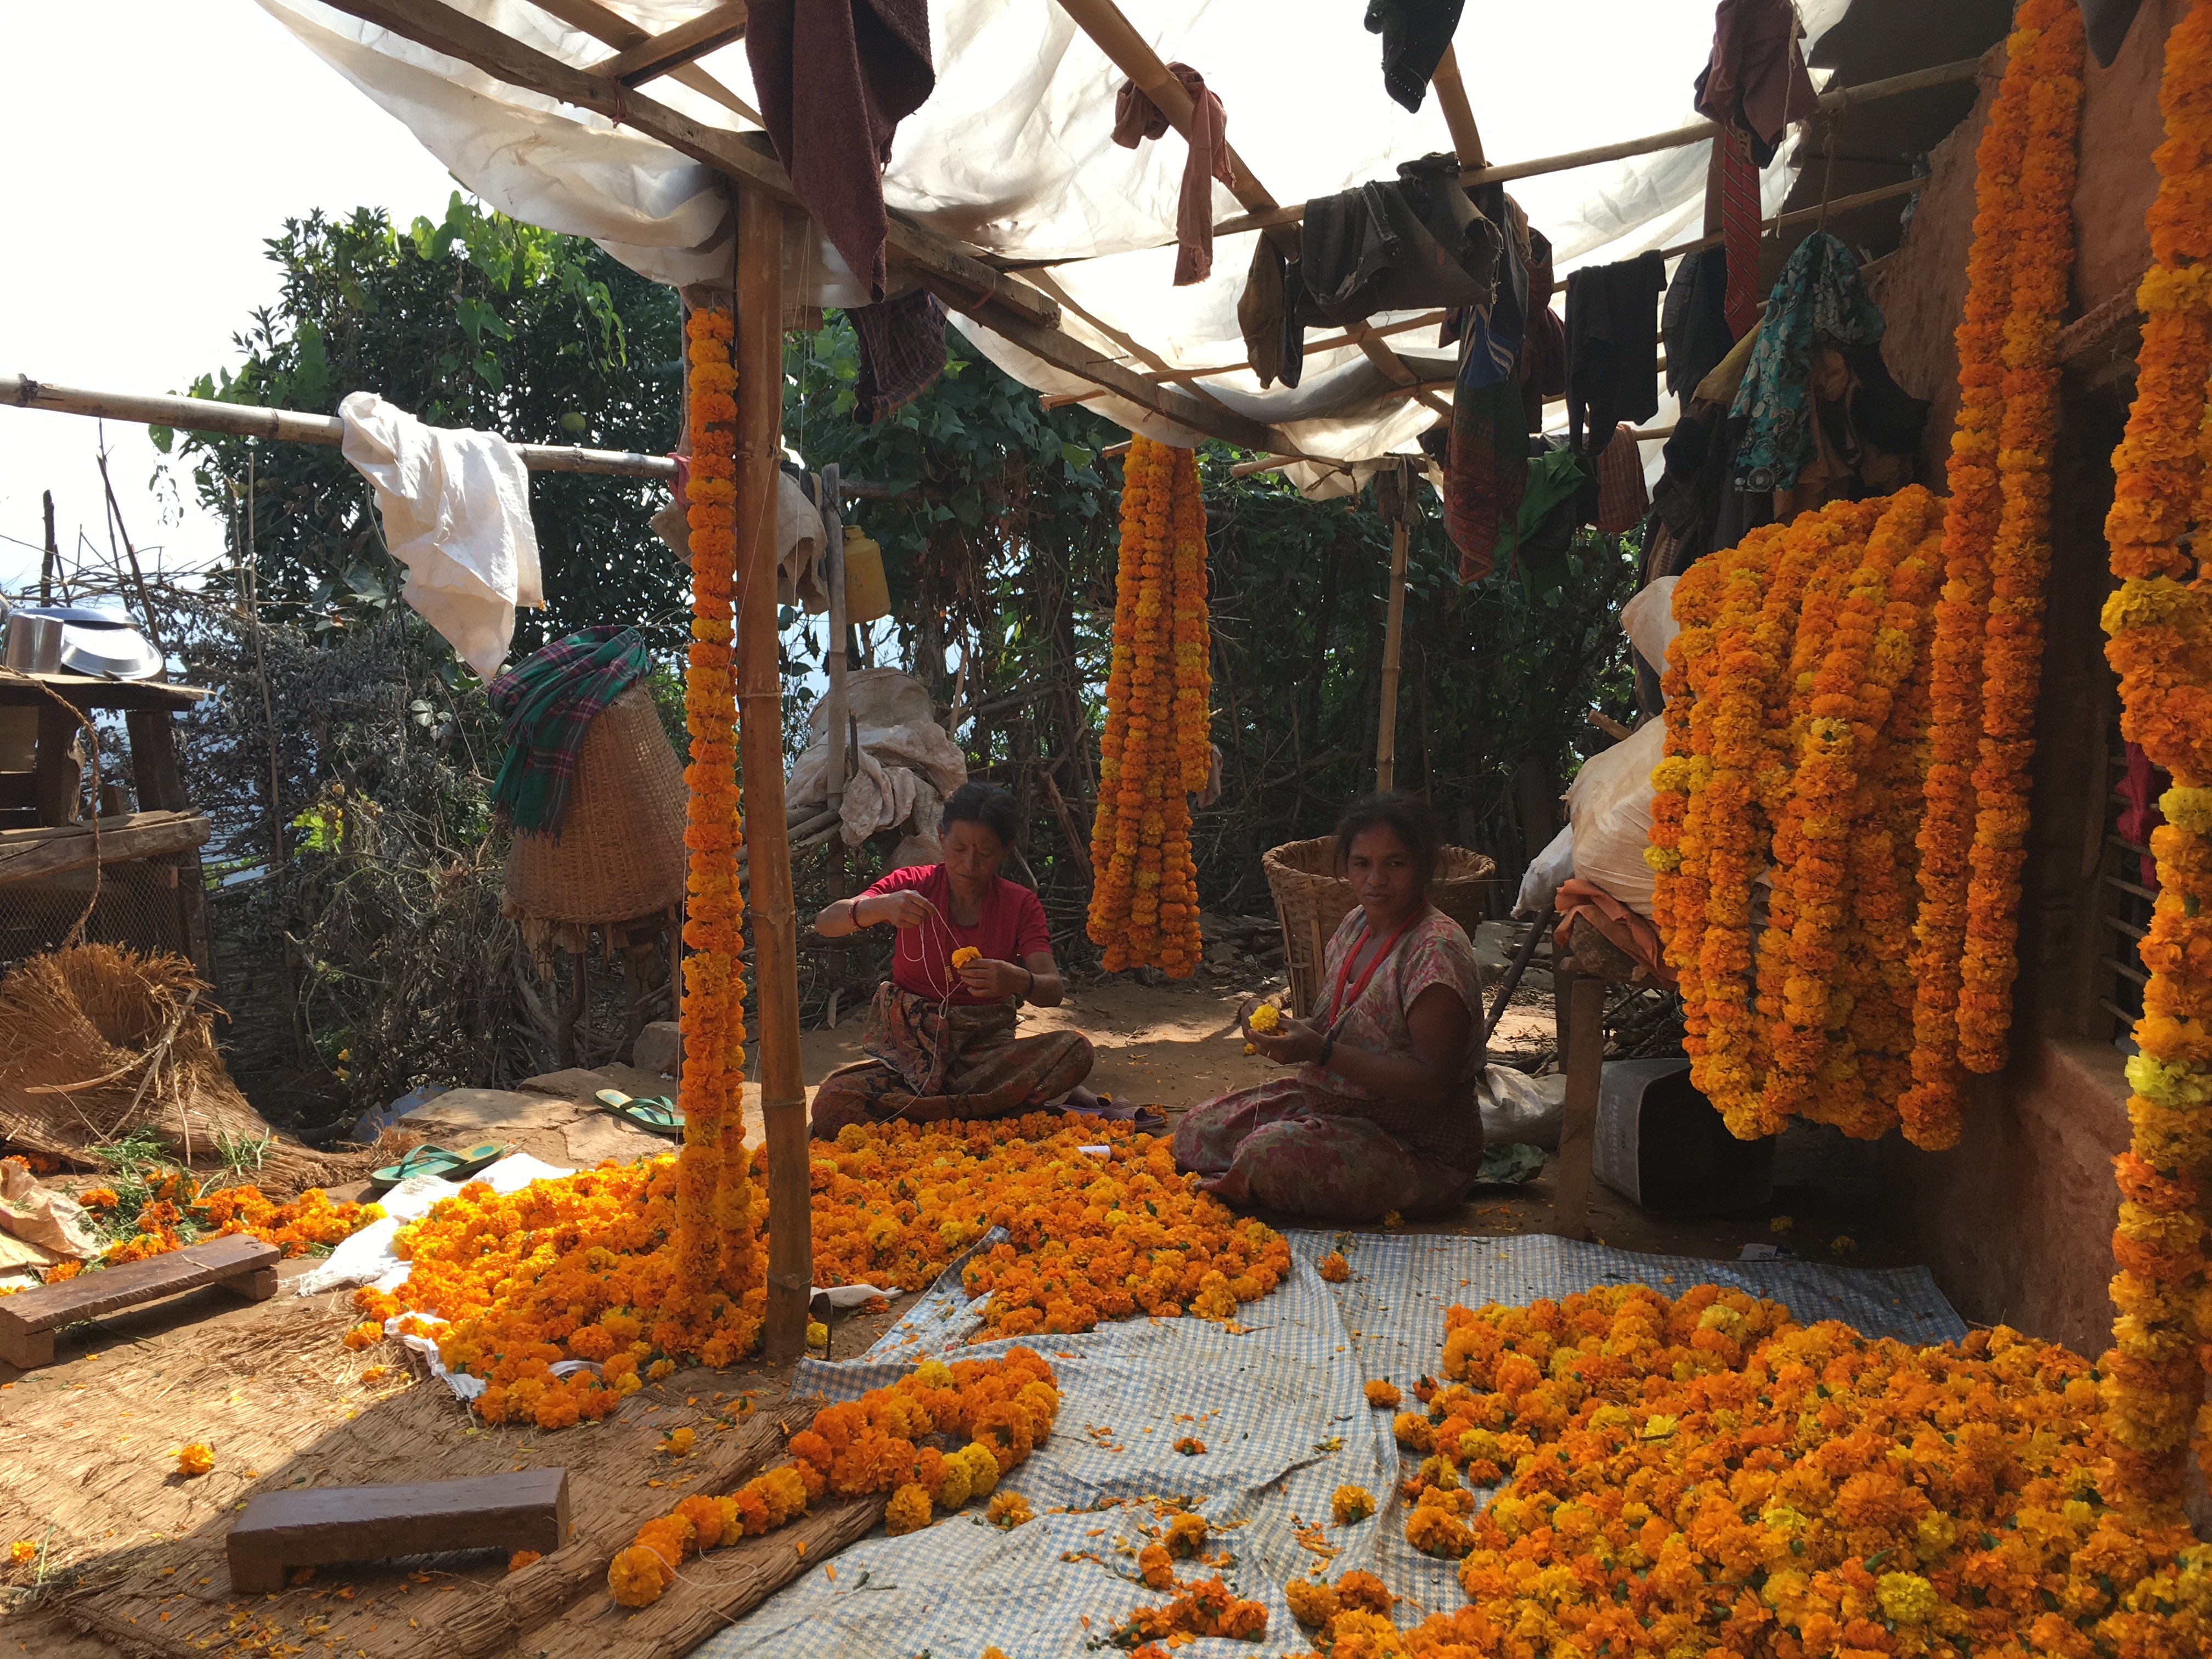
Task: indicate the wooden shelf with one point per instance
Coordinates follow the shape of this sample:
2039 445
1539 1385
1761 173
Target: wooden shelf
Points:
18 690
28 853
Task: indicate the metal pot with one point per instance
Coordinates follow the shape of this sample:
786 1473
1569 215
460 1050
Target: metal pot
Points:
31 644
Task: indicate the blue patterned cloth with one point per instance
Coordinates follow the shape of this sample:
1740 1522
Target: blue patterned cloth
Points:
1820 301
1280 1408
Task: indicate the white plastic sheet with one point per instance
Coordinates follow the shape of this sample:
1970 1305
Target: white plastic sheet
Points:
456 512
1013 153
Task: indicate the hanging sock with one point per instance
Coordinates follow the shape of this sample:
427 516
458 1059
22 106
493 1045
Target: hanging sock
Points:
1137 118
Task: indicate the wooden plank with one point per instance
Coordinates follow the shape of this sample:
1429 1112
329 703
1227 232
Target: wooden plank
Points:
32 855
1584 1057
279 1531
1064 351
28 1319
609 27
650 58
154 760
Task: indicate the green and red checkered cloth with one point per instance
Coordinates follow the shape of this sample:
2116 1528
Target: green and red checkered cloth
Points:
549 701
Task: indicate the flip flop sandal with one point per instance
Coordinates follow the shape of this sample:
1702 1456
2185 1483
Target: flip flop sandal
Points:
439 1161
1143 1119
656 1114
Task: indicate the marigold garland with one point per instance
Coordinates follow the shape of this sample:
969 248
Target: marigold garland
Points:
2161 628
1155 753
1001 1408
582 1267
1704 1476
717 1296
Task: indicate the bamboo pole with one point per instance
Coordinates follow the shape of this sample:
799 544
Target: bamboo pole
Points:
1458 114
760 749
290 425
1386 734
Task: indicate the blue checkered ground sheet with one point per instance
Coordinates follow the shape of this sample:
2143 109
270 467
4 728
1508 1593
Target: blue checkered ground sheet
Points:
1279 1406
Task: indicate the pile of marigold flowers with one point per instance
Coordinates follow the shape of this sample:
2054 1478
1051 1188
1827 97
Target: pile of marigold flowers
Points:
1704 1476
180 1210
1001 1408
580 1268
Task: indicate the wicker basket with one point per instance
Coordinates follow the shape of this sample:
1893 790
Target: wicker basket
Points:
1312 899
619 855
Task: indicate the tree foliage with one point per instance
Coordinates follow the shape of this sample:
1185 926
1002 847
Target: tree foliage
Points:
478 321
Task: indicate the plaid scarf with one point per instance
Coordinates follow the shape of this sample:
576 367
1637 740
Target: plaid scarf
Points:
549 701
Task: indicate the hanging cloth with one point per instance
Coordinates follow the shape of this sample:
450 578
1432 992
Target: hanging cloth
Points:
835 78
548 703
1487 462
1613 348
1415 33
1820 301
1694 323
1740 232
1137 118
1755 79
901 346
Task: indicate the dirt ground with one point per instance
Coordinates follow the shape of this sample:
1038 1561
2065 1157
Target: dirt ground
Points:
83 1444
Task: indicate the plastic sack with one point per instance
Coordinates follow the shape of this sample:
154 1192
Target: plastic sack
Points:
1609 809
1519 1110
1545 871
1649 621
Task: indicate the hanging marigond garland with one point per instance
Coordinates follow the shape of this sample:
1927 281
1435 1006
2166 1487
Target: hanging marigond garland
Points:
1156 752
2160 626
1854 751
1988 643
718 1272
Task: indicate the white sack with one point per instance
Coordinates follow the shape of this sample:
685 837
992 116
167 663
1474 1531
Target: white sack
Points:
906 765
1541 886
1609 810
1649 621
38 1215
1519 1110
456 512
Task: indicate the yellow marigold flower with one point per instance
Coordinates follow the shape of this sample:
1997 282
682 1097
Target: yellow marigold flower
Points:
196 1458
908 1511
1265 1018
1383 1395
1906 1598
817 1333
1335 1268
1312 1605
678 1442
1781 1224
1352 1505
637 1577
965 955
1008 1509
22 1549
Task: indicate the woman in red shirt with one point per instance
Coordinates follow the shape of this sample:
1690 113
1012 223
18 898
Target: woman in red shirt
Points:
941 1039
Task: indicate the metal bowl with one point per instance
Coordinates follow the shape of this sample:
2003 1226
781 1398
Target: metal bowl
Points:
98 642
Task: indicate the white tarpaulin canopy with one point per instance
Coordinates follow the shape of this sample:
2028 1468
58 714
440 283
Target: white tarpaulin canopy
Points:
1012 156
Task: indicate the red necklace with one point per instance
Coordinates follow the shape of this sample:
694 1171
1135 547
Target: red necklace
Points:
1337 1002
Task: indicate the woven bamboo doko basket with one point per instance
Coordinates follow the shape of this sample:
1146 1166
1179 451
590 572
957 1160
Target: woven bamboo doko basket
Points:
619 854
1312 899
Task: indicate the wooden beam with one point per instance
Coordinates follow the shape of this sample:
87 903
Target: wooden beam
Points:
1331 343
650 59
1386 732
1144 354
760 739
1064 351
609 27
1459 115
1806 215
290 426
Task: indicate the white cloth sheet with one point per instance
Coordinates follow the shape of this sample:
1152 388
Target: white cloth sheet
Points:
455 507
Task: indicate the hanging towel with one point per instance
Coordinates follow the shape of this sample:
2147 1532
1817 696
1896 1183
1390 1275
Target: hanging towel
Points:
1755 79
549 701
1622 500
455 507
1612 346
901 345
835 78
1414 35
1818 301
1137 118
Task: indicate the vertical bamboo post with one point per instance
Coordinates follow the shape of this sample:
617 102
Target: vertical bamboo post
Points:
1459 117
833 660
760 750
1385 735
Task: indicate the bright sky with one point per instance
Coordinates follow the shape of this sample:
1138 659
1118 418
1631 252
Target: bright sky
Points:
142 210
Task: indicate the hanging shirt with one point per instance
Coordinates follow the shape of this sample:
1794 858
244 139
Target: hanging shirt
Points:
1010 927
1612 346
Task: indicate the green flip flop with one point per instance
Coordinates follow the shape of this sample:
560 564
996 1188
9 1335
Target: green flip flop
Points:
439 1161
655 1113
